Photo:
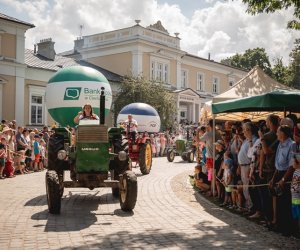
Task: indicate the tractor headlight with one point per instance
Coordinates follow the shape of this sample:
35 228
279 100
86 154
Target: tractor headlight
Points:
122 156
62 154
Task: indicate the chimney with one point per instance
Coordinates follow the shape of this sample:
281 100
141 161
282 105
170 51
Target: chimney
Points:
46 48
208 56
78 44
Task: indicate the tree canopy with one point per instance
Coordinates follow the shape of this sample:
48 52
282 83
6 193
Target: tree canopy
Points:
250 59
138 89
270 6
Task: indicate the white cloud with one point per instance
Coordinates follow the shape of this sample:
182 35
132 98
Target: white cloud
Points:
222 29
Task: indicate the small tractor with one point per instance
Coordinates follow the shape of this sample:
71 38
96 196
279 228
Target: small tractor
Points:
183 147
96 159
139 151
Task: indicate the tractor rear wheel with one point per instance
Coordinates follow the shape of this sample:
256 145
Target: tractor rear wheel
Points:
56 143
190 156
184 156
145 158
170 155
53 192
128 191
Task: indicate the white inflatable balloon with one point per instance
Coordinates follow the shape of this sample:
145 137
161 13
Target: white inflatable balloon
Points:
145 115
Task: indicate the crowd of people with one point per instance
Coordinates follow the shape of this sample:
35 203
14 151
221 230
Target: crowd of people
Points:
253 168
22 150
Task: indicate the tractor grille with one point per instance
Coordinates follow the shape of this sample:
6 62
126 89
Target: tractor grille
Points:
92 133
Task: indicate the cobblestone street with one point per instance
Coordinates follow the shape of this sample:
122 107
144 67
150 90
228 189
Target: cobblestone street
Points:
168 215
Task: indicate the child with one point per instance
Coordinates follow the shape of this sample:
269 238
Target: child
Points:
22 161
36 151
227 180
42 153
295 191
3 155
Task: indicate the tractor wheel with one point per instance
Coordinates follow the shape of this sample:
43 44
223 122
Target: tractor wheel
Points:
115 191
145 158
128 191
190 156
184 156
53 192
56 143
170 155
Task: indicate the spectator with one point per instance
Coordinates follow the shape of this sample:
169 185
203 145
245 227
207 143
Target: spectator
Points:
163 141
227 181
3 156
283 164
295 191
267 167
208 139
244 160
219 158
36 151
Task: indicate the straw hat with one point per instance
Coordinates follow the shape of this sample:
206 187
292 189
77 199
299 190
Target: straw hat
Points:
5 129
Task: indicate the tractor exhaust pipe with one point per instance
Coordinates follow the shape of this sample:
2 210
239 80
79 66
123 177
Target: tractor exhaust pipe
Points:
102 106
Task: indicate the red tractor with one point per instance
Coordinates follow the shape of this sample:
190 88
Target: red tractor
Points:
139 150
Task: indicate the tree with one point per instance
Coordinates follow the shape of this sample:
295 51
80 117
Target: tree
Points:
270 6
250 59
138 89
294 67
280 72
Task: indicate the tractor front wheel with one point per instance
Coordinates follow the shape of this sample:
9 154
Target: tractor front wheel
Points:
145 158
128 191
54 191
170 155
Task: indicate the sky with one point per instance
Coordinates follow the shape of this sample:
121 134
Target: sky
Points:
221 28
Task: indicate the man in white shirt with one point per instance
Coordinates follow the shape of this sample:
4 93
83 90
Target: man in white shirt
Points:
131 125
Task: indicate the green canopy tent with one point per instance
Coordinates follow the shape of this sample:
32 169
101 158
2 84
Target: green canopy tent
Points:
278 100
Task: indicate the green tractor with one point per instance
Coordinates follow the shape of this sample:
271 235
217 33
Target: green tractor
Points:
97 159
183 147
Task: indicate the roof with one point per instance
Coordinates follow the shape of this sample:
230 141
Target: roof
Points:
37 61
15 20
34 60
212 61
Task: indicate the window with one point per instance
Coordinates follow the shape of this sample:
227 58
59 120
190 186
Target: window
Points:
215 86
36 110
200 82
160 71
37 105
183 78
231 82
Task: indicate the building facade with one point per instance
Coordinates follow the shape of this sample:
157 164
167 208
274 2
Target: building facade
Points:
150 52
153 53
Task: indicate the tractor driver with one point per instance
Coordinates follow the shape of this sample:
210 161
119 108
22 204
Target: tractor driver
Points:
132 125
86 114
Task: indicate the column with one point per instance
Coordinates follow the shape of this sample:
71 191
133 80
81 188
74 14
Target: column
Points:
178 78
20 92
137 63
194 112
